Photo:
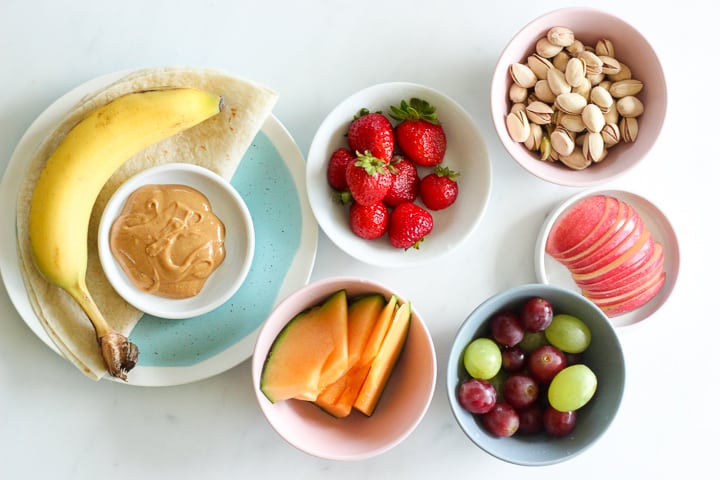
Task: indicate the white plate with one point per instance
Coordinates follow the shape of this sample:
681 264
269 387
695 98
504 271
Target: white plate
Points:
271 180
549 270
466 153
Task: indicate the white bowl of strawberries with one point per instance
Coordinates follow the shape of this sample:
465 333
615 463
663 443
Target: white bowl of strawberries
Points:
398 174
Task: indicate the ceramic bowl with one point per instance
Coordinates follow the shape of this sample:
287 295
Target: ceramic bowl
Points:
239 241
400 409
631 48
604 356
550 271
466 153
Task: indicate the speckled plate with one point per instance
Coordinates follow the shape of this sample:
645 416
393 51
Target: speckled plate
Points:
271 180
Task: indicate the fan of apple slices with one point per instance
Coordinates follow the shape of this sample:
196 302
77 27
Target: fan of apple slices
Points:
610 253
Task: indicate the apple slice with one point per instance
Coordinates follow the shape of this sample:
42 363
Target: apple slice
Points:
636 298
576 224
626 284
605 254
617 212
623 214
642 248
640 270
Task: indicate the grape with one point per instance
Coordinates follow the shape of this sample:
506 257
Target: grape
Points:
572 388
520 390
477 396
558 424
568 333
506 329
532 341
513 359
482 358
531 419
536 314
545 362
502 420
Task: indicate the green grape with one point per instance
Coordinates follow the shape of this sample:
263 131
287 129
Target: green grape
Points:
482 358
568 333
532 341
572 388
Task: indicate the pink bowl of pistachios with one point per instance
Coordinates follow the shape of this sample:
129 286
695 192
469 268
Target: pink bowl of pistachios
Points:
578 97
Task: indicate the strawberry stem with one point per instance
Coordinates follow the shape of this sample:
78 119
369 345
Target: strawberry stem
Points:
371 163
414 111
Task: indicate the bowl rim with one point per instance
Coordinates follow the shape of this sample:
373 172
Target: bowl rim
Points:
176 308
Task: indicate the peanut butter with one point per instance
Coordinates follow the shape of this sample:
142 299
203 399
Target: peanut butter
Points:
168 240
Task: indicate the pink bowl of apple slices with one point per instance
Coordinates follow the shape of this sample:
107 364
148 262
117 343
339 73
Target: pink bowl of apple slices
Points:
614 247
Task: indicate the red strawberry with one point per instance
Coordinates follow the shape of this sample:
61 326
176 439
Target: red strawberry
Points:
368 179
369 222
409 224
405 181
337 167
371 132
439 189
419 134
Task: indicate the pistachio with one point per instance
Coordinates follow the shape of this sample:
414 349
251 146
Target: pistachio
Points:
545 148
517 107
583 89
539 112
602 98
556 81
580 139
595 78
573 123
611 134
629 129
554 155
605 47
576 160
561 60
593 64
543 92
533 141
623 74
517 93
518 126
575 72
593 118
630 106
593 147
544 48
522 75
561 36
575 48
612 115
605 84
610 66
623 88
562 141
539 65
573 103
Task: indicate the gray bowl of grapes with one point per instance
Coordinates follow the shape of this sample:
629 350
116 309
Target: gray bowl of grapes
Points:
536 375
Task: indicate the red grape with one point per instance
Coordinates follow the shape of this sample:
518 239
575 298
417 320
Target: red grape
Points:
531 419
558 424
536 314
513 359
477 396
502 420
520 390
506 329
545 362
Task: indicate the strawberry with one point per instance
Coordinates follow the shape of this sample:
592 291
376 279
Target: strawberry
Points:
439 189
368 179
405 182
409 224
369 221
337 167
419 134
371 132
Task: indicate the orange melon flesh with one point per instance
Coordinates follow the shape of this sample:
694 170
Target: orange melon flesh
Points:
363 314
311 348
384 363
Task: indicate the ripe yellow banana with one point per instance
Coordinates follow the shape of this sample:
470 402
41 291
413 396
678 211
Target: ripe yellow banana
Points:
73 177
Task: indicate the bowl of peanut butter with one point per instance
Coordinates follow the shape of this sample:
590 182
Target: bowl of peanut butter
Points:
176 241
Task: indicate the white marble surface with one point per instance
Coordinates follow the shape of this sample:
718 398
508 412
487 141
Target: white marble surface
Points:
54 423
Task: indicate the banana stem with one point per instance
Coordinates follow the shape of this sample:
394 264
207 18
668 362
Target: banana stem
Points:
120 355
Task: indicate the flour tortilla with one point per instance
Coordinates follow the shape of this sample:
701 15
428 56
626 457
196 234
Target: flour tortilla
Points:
219 144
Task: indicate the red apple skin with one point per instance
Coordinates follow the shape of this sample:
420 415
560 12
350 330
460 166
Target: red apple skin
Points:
605 254
624 287
603 226
636 301
639 253
640 270
598 237
576 224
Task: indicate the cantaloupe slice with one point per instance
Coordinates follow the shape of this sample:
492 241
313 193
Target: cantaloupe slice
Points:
363 314
353 380
384 363
309 353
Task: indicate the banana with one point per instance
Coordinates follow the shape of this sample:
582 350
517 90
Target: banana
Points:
75 173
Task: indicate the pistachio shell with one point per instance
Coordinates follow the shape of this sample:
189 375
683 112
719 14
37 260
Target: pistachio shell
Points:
612 115
610 66
556 81
623 88
522 75
629 129
543 92
575 48
518 126
545 148
562 142
539 65
575 72
611 134
602 98
593 64
536 134
517 93
595 78
517 107
593 147
583 89
573 103
544 48
624 74
576 160
630 106
561 60
539 112
561 36
593 118
605 47
573 123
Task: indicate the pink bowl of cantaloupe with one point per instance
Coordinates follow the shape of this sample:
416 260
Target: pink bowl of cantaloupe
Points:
344 369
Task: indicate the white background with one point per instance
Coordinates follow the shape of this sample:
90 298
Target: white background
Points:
54 423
